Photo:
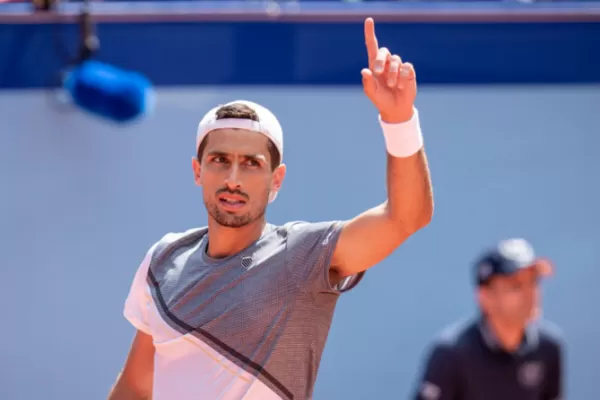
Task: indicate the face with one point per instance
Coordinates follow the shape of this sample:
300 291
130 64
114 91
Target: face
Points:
512 299
236 177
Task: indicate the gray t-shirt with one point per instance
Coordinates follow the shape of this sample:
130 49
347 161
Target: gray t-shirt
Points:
266 311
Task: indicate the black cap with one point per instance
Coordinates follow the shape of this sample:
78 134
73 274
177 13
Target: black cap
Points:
509 257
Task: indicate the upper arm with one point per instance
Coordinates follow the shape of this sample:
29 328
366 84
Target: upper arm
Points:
136 379
367 240
310 248
441 378
138 299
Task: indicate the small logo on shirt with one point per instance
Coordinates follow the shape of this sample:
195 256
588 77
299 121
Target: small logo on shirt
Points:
429 391
531 374
247 262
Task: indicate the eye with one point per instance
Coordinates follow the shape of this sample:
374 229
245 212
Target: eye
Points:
252 163
219 159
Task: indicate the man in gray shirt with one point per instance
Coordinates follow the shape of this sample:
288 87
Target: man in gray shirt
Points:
241 309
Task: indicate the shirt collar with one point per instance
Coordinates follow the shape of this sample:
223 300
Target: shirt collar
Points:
530 339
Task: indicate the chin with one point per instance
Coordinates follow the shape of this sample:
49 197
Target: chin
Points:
233 220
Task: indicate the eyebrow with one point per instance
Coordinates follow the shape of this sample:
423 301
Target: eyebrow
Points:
257 156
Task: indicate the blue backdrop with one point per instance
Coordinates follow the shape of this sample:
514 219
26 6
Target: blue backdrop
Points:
82 200
241 43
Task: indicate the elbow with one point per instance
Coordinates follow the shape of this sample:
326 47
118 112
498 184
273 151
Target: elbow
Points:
420 218
410 222
426 215
426 211
420 222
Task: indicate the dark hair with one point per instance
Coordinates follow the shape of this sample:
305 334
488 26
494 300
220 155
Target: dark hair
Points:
241 111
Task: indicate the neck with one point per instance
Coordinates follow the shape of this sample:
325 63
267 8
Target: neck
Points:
224 242
509 336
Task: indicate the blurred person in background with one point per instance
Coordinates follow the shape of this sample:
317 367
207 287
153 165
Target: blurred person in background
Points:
241 309
506 353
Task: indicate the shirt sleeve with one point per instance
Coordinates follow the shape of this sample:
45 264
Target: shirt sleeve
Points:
310 251
441 378
138 300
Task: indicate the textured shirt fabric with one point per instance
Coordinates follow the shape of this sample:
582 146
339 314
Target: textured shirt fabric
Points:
251 326
468 363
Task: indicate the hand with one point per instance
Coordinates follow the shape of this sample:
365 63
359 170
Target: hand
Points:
388 82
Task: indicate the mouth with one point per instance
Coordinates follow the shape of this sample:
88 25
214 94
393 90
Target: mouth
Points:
231 202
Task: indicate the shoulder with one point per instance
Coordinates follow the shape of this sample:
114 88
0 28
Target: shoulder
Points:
173 239
305 229
301 226
456 338
447 352
311 238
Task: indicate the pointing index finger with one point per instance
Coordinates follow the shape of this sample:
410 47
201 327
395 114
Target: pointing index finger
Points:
371 41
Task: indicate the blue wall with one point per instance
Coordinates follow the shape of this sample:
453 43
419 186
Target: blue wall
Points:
183 43
82 200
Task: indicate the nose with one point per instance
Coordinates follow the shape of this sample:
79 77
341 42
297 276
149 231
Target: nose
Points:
233 178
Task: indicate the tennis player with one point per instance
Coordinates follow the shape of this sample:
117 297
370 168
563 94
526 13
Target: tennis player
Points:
241 309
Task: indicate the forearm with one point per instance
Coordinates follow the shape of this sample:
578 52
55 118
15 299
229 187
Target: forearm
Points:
122 390
410 195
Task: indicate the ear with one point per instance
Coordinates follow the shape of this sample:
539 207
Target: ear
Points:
196 169
277 181
278 177
483 299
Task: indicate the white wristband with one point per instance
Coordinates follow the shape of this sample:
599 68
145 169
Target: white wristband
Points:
403 139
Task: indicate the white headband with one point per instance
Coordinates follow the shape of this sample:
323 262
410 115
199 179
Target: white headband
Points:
267 124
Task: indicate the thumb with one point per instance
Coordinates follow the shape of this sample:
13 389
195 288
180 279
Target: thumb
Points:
369 83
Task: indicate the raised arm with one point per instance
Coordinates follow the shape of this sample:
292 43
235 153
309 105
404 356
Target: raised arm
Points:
367 239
